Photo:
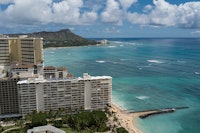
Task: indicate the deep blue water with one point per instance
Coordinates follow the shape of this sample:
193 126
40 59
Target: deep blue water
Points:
147 74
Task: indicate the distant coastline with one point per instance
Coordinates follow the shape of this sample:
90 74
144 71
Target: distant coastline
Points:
61 38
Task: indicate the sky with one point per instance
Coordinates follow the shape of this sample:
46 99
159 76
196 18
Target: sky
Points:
103 18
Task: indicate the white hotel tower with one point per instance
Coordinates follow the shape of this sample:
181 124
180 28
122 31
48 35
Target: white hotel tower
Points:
87 92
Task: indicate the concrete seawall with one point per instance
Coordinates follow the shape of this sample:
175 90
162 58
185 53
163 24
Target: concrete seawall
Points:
158 111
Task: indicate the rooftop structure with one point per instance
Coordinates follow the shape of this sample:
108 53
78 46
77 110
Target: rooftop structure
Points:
51 72
45 129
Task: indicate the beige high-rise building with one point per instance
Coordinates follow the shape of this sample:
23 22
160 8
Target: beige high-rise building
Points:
85 92
23 49
4 52
26 50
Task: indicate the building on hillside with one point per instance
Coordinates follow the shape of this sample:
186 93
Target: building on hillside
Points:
9 105
87 92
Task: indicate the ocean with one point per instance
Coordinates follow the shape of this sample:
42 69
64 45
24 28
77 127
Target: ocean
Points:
148 73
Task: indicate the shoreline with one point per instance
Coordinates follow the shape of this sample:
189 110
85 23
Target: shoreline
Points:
126 119
68 46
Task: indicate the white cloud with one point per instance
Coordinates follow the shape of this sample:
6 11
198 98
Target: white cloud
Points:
88 17
111 30
127 3
95 5
27 11
80 12
30 12
165 14
6 1
147 8
67 11
112 13
115 11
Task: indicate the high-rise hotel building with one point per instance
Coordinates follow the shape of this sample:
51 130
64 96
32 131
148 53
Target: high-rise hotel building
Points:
23 49
26 50
26 85
4 52
9 104
87 92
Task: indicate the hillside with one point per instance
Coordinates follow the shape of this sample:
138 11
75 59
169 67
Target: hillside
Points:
62 38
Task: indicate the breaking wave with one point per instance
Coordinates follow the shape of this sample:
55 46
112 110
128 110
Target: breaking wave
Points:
155 61
142 97
100 61
197 73
111 46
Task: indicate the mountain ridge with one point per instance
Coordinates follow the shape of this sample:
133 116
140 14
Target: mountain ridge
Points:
61 38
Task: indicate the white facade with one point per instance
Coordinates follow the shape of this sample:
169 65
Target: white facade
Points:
87 93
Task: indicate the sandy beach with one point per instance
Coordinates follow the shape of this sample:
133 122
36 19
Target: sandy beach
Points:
127 119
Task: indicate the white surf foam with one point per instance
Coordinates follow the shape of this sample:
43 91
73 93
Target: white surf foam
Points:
197 73
121 45
155 61
142 97
117 42
100 61
111 46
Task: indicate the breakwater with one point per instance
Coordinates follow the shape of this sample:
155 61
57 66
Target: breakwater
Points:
151 112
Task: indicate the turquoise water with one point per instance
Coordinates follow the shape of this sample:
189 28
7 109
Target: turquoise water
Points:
147 74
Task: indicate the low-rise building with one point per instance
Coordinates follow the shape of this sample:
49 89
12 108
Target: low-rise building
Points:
51 72
45 129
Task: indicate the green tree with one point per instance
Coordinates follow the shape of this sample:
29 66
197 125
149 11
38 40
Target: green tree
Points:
121 130
1 129
36 119
39 119
58 123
